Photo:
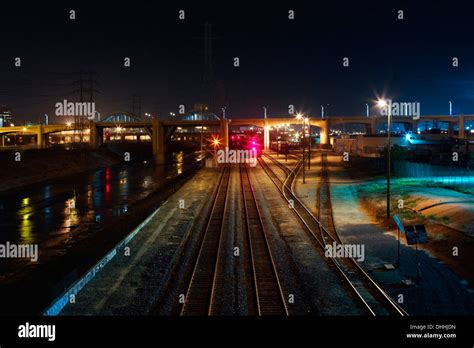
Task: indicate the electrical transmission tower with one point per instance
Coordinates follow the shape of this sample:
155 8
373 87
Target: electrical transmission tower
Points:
87 89
136 106
208 83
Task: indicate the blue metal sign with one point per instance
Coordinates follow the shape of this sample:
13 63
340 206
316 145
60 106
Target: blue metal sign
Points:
399 223
416 234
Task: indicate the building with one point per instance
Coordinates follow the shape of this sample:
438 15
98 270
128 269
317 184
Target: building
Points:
5 116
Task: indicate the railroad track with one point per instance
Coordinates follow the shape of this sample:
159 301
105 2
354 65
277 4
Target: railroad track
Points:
324 211
372 298
207 275
268 293
200 292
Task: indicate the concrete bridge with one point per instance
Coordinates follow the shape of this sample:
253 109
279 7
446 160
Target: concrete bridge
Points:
39 130
161 131
410 124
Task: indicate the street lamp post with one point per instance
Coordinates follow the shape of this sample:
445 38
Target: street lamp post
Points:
450 108
322 110
367 107
223 112
309 142
389 130
302 146
383 104
264 112
299 116
201 153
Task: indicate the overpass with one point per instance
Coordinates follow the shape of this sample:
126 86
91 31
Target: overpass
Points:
411 124
39 130
160 131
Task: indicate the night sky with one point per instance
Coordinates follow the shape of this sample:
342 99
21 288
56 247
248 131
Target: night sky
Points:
282 61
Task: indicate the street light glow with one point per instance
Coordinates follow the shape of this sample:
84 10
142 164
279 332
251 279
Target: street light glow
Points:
215 141
381 103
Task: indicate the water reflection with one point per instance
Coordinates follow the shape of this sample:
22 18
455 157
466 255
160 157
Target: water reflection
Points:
179 162
26 225
60 210
71 214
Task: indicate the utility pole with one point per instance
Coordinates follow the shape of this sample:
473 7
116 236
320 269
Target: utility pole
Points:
303 146
202 128
208 73
309 145
389 164
304 172
322 110
382 104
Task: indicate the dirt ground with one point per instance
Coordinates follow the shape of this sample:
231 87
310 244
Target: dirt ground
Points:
449 222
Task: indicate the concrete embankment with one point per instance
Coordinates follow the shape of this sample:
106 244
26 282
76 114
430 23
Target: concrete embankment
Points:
35 166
